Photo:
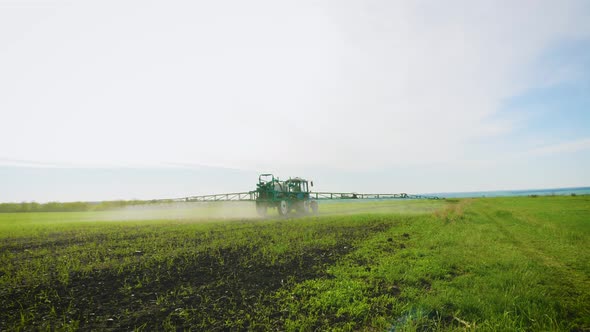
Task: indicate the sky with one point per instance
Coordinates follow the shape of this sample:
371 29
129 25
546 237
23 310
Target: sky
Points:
155 99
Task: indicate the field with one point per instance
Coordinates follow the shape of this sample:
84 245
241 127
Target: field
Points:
486 264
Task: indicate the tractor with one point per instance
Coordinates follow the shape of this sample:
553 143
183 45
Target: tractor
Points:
286 196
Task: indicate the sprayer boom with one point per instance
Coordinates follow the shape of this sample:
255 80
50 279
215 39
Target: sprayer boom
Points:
288 195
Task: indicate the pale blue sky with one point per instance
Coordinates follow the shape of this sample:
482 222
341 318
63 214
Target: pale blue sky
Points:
149 99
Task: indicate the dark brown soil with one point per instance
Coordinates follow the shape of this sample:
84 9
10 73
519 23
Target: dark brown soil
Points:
213 291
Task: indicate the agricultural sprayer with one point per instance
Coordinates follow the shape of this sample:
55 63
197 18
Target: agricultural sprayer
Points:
290 195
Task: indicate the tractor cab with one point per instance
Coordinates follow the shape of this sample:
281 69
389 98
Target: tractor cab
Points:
297 185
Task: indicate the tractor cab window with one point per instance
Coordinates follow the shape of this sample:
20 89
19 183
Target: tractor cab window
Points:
295 186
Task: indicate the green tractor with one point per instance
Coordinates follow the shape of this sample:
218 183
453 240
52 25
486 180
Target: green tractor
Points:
286 196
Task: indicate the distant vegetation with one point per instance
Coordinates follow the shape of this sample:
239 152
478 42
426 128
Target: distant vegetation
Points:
69 206
491 264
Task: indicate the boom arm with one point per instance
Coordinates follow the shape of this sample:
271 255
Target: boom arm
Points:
252 195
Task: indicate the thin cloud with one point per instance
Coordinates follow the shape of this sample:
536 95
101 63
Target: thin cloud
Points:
30 163
561 148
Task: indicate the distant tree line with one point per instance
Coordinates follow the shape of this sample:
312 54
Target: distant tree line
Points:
70 206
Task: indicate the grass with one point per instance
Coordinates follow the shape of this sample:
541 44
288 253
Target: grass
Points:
486 264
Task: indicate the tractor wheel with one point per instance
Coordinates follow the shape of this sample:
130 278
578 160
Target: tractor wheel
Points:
302 207
283 208
314 207
305 207
261 209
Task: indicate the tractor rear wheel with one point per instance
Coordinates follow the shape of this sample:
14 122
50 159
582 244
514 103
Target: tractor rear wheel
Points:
283 208
314 207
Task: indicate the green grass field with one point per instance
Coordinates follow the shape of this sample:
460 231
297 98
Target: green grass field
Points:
484 264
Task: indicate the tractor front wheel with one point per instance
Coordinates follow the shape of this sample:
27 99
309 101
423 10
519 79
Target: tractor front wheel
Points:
305 207
302 207
283 208
314 207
